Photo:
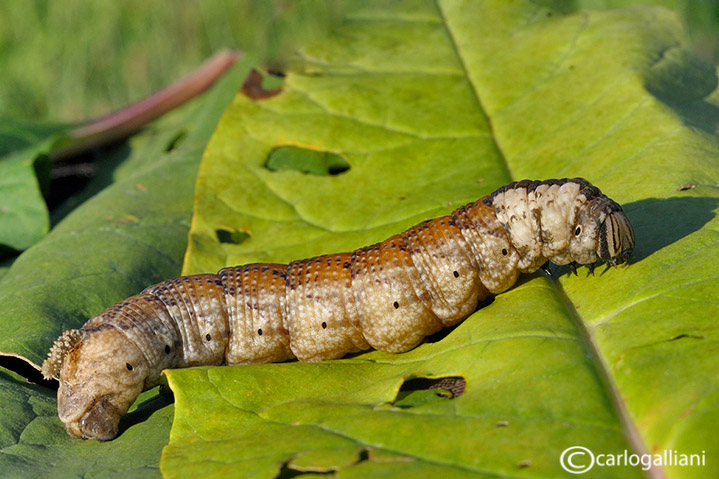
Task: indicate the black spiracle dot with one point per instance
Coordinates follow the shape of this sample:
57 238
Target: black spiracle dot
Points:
128 366
208 337
396 305
324 325
578 231
456 274
504 251
167 349
259 332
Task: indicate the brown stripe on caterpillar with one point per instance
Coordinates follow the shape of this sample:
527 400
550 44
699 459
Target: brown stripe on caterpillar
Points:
388 296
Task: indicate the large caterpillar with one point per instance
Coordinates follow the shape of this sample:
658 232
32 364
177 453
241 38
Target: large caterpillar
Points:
388 296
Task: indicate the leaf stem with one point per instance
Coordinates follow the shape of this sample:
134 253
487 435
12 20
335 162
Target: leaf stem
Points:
123 123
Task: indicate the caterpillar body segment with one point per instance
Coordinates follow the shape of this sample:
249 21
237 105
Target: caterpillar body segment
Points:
387 296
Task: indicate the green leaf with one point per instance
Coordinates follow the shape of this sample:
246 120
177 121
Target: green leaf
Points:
253 419
306 161
54 66
130 235
433 106
33 442
24 175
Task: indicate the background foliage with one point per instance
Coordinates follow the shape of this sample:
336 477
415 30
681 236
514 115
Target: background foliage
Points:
625 97
78 59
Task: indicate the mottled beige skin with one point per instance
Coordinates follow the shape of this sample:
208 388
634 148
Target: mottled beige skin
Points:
388 296
562 221
323 321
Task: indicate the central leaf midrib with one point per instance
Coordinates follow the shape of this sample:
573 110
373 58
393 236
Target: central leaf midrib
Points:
504 163
605 377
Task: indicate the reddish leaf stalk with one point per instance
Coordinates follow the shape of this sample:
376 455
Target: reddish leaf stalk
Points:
125 122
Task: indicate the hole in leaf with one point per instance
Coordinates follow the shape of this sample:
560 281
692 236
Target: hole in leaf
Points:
687 336
288 472
307 161
259 86
417 391
272 80
311 463
231 237
176 141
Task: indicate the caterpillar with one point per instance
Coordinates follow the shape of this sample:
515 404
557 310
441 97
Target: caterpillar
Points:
388 296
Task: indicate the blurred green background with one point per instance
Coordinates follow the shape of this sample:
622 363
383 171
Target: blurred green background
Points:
76 59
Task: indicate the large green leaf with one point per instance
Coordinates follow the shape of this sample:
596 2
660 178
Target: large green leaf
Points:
24 174
130 235
522 361
33 442
432 105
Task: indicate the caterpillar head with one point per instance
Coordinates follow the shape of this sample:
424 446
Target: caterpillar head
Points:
616 238
101 373
602 231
